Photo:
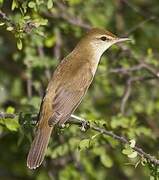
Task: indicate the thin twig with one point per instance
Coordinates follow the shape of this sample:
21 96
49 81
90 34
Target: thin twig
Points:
4 17
132 79
128 89
69 18
126 70
29 87
86 125
122 139
139 25
58 44
62 12
125 96
41 54
7 115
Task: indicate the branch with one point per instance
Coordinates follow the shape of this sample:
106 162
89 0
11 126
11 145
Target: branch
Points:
128 89
127 70
140 151
142 65
65 15
4 17
86 125
69 18
7 115
154 74
126 96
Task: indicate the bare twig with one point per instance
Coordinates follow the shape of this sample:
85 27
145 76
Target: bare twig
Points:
122 139
151 69
47 70
57 48
29 87
142 65
139 25
4 18
7 115
126 70
71 19
128 89
63 13
86 125
154 74
125 96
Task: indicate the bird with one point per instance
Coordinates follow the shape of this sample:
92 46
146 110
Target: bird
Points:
67 88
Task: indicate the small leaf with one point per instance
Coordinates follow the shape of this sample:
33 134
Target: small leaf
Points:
27 17
132 143
84 144
31 4
133 155
14 4
1 24
19 44
143 161
106 160
50 41
10 110
127 151
10 28
136 165
12 124
49 4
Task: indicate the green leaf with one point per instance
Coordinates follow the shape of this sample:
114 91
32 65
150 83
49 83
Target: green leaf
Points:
133 155
19 44
84 144
10 110
10 28
31 4
12 124
127 151
14 4
73 2
1 24
106 160
132 143
50 41
49 4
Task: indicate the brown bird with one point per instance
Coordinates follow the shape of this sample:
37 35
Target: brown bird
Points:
67 88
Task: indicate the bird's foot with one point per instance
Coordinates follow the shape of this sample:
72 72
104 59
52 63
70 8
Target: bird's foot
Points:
63 125
84 125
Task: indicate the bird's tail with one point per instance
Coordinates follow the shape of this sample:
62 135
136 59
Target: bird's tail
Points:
38 147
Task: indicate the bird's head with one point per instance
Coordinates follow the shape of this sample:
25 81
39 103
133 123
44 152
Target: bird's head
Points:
99 40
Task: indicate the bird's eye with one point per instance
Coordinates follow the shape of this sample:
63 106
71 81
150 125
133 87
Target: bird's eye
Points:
103 38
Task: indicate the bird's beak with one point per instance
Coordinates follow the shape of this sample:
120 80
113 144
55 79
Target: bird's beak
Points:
121 40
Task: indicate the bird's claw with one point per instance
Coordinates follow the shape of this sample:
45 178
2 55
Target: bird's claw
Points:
84 125
63 125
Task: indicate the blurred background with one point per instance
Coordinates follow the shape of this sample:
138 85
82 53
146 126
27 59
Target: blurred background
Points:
124 96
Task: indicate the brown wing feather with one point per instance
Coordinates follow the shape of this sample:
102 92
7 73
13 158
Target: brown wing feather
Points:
68 95
64 93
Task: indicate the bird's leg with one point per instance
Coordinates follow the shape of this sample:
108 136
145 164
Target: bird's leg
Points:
84 124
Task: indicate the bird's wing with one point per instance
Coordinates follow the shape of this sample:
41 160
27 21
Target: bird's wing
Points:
61 99
69 94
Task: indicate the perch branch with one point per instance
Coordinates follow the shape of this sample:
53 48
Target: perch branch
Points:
140 151
86 125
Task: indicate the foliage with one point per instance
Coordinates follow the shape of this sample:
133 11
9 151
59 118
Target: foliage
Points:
124 98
